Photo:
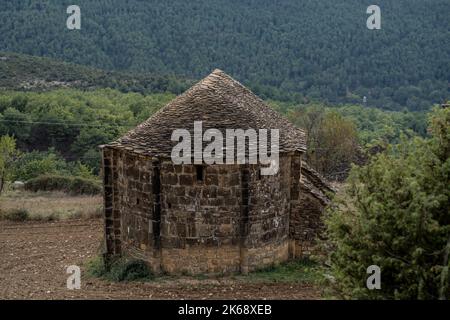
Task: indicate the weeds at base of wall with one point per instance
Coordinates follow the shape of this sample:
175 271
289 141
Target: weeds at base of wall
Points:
121 270
302 270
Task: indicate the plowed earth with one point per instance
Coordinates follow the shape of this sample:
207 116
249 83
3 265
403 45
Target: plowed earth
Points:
34 257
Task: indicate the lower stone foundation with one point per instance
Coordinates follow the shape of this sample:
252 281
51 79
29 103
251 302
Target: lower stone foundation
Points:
301 249
201 259
265 256
151 257
212 260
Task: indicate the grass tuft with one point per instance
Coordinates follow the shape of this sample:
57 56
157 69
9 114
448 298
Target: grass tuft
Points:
121 269
70 185
16 215
304 270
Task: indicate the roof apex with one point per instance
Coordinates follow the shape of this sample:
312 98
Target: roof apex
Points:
220 102
217 71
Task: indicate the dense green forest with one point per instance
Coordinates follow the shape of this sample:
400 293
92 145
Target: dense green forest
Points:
30 73
285 50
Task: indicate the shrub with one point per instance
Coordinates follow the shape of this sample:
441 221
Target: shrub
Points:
395 214
301 270
30 165
130 270
71 185
7 153
121 269
47 218
16 215
96 267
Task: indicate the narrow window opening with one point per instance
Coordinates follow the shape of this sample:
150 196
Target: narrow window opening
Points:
199 171
259 174
137 200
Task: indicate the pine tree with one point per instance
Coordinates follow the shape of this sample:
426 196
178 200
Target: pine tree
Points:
394 213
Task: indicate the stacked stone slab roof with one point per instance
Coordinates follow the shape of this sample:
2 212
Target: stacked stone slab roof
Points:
218 101
314 184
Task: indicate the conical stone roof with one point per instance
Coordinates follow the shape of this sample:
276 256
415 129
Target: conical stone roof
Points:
218 101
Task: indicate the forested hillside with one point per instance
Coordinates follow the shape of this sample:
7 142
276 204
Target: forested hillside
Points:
30 73
287 49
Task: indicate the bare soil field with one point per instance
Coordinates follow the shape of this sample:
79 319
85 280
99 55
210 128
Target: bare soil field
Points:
34 256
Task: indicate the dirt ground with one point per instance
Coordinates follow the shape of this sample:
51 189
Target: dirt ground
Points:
34 257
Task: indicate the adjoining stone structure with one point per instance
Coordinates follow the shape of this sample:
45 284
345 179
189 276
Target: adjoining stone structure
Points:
209 218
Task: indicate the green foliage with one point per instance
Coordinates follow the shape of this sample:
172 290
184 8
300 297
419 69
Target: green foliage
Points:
298 50
17 215
29 73
374 126
71 185
72 122
395 214
332 142
96 267
82 171
7 154
335 134
121 269
15 123
29 165
304 270
92 159
22 214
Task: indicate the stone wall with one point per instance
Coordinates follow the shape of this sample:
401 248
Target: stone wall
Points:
139 206
201 258
132 198
308 201
200 210
265 237
112 242
307 224
197 219
201 213
266 255
295 229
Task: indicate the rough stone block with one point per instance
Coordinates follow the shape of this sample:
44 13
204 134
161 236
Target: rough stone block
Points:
186 180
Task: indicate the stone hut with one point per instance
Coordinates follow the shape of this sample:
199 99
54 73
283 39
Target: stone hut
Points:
219 218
